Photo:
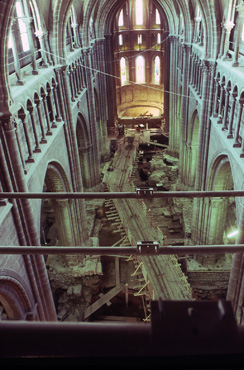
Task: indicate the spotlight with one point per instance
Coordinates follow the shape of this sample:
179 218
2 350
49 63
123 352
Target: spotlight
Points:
232 234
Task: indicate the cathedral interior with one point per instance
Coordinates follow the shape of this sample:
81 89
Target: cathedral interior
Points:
121 173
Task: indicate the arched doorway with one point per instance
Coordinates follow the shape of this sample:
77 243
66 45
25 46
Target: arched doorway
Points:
15 301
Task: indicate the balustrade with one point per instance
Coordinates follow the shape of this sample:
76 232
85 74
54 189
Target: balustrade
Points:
23 117
233 105
237 143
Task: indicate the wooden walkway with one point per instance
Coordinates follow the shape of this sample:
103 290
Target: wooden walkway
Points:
162 273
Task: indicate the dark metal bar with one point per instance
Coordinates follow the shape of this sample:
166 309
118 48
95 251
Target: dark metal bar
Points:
64 340
123 195
74 339
122 251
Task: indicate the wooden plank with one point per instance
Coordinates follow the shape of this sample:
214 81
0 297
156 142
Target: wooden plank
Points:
103 300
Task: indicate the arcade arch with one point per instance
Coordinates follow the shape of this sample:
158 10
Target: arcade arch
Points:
57 215
219 214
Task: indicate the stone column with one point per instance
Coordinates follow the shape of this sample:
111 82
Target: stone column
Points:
237 144
235 287
233 105
184 105
27 22
222 90
38 105
56 99
37 148
240 10
50 92
215 109
40 35
49 132
96 178
18 71
227 98
227 27
22 116
71 82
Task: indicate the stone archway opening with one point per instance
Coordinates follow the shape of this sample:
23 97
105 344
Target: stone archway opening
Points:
209 274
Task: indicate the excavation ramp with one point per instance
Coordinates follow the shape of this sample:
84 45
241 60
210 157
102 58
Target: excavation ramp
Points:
162 273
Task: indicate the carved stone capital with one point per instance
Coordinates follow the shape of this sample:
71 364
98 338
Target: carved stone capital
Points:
8 123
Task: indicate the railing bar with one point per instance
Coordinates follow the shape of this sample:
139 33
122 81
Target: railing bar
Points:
123 251
123 195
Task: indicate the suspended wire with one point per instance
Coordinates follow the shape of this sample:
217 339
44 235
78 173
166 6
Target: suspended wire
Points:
143 51
130 82
85 48
116 77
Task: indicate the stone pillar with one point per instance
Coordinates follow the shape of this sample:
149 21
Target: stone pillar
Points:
96 178
38 105
56 99
70 74
240 10
44 97
50 94
222 91
18 71
233 105
27 22
184 105
236 287
227 27
85 161
203 147
227 98
172 97
37 148
215 109
40 35
237 143
22 116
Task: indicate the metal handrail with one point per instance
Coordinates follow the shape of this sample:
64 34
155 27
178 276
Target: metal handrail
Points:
122 251
122 195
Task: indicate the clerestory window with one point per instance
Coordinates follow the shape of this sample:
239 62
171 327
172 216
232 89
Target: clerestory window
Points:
123 71
139 12
140 69
121 18
157 16
157 70
120 40
22 27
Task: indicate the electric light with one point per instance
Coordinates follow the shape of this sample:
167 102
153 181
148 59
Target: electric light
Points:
232 234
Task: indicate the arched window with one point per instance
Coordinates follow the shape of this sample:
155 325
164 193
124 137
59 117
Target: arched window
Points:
139 12
121 18
157 70
157 16
120 40
22 27
23 43
123 71
140 69
158 38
